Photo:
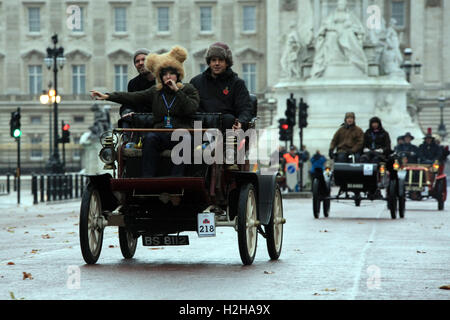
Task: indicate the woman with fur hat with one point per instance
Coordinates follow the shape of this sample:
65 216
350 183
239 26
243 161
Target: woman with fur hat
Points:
172 103
347 140
221 90
377 143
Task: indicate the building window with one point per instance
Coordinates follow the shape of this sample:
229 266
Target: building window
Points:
398 12
249 76
76 154
36 120
78 22
36 149
78 79
35 79
120 19
205 19
78 119
249 18
163 19
34 19
121 77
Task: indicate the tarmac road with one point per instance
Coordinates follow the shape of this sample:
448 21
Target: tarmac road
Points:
356 253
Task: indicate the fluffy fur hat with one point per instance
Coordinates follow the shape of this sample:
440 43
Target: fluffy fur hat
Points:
220 50
174 58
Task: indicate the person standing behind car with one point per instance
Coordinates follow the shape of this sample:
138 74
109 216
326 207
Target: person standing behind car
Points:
144 80
377 143
221 90
347 140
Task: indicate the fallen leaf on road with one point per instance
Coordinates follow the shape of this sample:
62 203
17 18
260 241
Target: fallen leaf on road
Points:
10 263
333 290
269 272
27 276
446 287
421 251
323 230
46 236
35 251
40 216
316 294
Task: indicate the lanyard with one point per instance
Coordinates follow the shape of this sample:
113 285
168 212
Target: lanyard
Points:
165 102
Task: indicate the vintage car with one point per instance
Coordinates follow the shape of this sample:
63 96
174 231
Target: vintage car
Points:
357 182
160 209
424 181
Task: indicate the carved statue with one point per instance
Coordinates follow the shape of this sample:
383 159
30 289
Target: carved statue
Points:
292 55
340 40
392 57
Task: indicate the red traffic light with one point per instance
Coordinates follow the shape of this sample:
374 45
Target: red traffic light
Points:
284 126
66 127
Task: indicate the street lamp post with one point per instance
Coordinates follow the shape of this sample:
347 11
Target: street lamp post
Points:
55 58
408 65
442 131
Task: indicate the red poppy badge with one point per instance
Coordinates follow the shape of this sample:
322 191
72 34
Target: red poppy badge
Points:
225 91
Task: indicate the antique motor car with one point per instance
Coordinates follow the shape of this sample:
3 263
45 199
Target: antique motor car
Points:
159 209
357 182
424 181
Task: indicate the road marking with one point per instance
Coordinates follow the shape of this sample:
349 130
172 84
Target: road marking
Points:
362 259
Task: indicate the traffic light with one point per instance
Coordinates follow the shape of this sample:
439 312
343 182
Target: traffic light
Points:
303 114
290 110
14 124
285 130
65 133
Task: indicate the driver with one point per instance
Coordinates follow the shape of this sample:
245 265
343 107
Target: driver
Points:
172 102
407 150
377 143
347 140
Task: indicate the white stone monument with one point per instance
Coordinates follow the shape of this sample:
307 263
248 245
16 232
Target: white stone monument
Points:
340 80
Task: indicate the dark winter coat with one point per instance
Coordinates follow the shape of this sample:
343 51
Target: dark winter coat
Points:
430 152
225 94
185 105
408 147
348 139
377 139
138 83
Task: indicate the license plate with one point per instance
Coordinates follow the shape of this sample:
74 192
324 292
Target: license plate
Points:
165 240
206 224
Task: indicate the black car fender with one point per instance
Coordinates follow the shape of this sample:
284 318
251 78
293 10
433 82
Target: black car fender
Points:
103 185
265 186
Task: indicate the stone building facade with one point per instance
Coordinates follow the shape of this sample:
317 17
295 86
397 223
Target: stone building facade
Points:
99 38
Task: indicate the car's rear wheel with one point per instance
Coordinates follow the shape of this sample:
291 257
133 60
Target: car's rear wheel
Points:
247 224
128 243
392 198
91 225
274 230
440 194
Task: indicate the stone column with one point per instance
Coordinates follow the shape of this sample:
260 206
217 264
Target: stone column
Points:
273 42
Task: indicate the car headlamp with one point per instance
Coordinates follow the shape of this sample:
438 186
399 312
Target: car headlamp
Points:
107 155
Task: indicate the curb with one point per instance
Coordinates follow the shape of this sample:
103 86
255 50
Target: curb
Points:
297 195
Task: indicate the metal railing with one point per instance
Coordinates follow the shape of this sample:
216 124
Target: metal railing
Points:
56 187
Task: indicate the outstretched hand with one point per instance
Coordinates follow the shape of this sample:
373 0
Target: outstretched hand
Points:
96 95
